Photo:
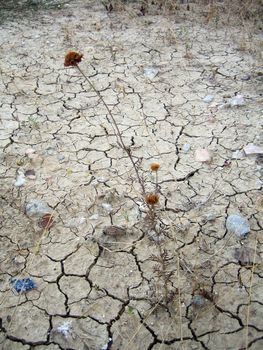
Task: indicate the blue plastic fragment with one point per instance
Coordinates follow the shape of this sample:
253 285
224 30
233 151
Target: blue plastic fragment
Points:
22 285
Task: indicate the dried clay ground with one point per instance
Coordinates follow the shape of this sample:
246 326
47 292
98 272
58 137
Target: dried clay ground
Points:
107 289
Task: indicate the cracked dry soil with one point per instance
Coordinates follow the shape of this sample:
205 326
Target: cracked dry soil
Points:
103 288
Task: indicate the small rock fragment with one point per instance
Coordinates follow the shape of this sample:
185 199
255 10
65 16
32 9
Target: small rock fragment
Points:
30 174
251 149
237 225
22 285
94 217
246 77
19 259
186 147
150 72
65 328
61 158
208 98
37 208
107 207
101 179
238 100
209 217
198 300
203 155
20 179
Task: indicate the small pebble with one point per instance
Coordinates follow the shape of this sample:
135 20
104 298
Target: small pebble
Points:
20 180
107 207
238 100
208 98
101 179
246 77
203 155
37 208
150 72
186 147
94 217
198 300
237 225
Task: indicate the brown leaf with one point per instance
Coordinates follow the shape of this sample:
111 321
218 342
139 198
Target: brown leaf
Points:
114 230
46 221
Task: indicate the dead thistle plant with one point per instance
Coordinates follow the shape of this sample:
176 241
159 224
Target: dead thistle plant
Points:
162 267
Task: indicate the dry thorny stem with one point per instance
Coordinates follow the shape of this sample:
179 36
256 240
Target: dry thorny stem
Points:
116 130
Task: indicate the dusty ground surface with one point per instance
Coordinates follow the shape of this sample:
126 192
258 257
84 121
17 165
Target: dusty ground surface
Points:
98 291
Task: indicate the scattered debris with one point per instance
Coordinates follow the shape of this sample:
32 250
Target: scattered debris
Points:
251 149
20 179
208 98
37 208
203 155
65 328
30 174
150 72
114 230
46 222
238 225
22 285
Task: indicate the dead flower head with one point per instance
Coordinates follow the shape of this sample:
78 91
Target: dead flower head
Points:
155 166
152 199
72 58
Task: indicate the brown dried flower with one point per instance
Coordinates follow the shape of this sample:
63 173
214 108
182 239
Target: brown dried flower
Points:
155 166
72 58
152 199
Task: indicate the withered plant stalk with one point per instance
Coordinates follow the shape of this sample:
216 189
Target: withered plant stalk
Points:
116 129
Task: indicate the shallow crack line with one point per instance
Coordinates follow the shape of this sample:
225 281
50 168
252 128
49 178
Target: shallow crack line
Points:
67 309
230 314
254 341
